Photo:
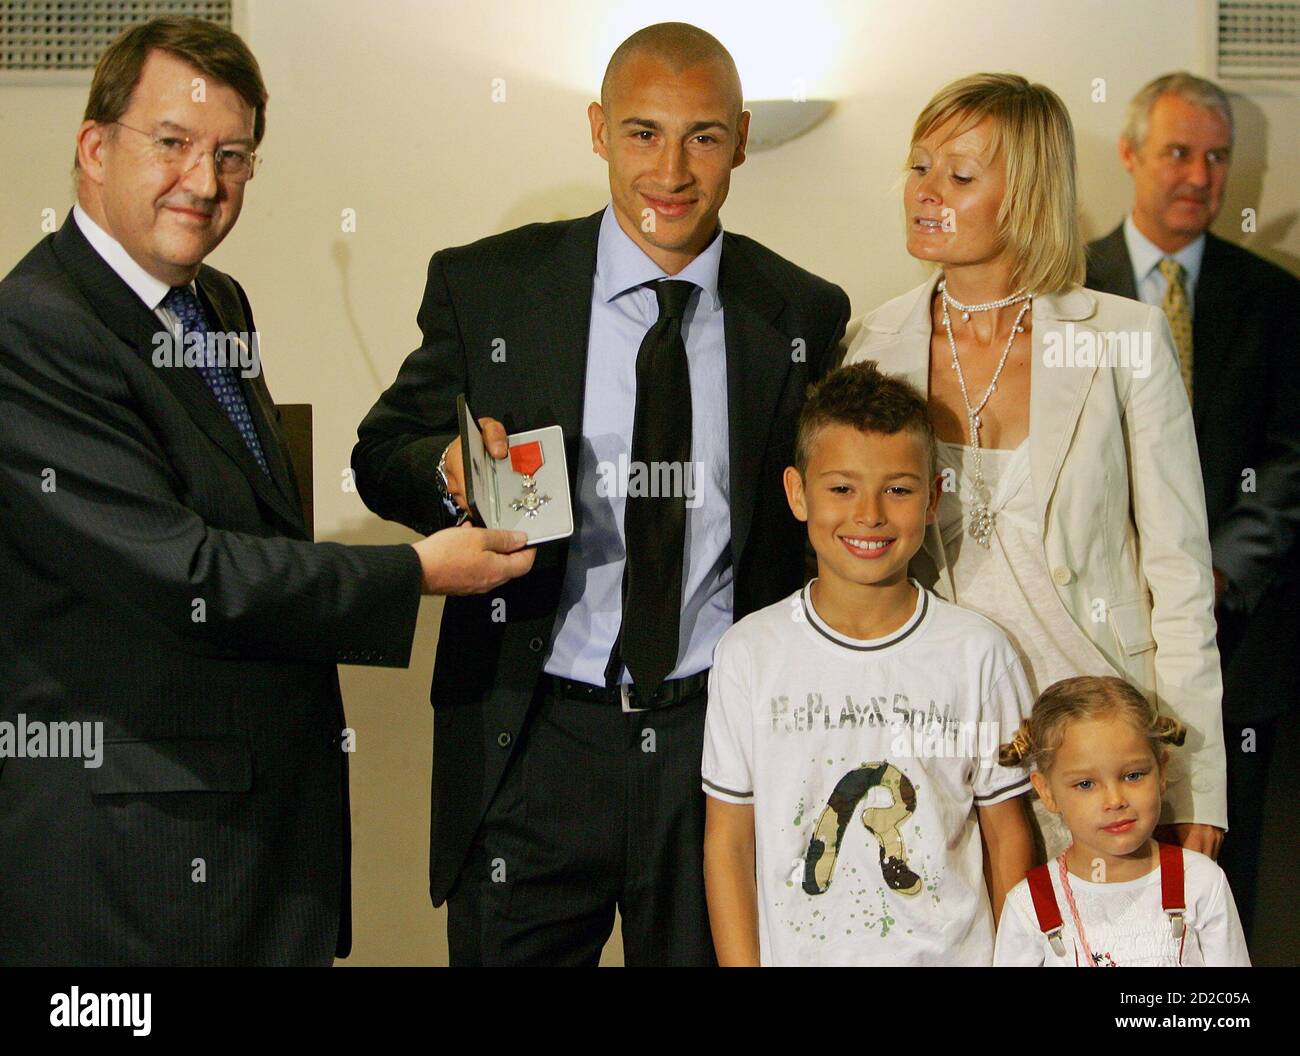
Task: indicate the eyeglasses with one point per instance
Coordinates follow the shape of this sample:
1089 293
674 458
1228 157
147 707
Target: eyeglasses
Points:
181 152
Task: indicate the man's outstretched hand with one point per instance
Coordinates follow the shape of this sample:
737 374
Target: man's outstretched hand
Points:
468 560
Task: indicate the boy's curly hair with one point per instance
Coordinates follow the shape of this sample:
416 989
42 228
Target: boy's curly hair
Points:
1039 737
863 398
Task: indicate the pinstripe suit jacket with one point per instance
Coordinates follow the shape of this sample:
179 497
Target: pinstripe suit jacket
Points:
154 580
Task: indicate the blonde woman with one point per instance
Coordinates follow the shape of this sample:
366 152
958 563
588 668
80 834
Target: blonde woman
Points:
1072 513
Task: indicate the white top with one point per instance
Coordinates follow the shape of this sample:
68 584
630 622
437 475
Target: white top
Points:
1126 925
1010 582
864 761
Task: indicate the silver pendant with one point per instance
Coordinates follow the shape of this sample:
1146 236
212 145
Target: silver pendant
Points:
981 524
529 500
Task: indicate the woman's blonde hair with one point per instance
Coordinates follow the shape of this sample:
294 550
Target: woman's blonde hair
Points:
1038 221
1039 737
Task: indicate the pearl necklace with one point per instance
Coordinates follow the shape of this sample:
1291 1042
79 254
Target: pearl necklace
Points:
981 517
966 309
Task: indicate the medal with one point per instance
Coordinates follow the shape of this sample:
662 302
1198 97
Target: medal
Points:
526 459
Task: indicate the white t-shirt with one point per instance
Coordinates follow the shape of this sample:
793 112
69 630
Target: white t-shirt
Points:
1126 925
864 761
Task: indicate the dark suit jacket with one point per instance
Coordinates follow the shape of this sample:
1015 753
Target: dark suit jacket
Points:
126 498
1245 394
532 288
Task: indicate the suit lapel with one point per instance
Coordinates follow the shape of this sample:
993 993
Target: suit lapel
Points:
554 326
114 302
1109 267
1056 391
546 345
1214 320
226 314
913 329
758 360
123 313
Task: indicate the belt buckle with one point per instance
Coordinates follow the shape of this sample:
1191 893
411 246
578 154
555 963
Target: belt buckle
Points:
623 688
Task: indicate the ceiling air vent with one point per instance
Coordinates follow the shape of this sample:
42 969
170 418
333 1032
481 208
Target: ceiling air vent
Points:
1259 39
67 35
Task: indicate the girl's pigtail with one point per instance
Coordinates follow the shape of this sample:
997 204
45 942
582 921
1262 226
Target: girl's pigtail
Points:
1018 749
1168 730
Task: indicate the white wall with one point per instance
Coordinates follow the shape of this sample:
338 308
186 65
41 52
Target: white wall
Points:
386 108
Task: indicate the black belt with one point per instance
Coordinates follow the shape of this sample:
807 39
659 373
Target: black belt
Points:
628 696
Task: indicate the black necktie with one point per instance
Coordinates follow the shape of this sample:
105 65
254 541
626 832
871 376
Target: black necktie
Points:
654 524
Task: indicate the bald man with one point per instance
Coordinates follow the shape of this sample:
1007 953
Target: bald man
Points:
569 707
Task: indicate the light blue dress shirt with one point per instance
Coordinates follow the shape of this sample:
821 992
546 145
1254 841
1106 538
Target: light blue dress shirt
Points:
623 309
1146 257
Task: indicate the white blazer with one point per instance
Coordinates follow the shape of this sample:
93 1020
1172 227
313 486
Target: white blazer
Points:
1119 500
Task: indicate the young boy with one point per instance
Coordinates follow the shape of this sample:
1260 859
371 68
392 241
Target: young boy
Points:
856 811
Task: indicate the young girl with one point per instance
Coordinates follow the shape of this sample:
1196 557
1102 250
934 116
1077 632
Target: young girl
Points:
1116 897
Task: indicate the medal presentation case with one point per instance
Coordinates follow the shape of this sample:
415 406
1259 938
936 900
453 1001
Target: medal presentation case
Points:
526 492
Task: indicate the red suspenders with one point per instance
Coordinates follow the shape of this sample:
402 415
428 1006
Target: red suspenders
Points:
1045 907
1172 898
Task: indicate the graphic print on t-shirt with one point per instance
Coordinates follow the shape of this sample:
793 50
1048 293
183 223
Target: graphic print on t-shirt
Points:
865 762
882 821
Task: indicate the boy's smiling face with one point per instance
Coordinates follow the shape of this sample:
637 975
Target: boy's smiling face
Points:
867 498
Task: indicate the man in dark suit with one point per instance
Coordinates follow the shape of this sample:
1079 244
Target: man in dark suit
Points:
173 769
569 710
1228 310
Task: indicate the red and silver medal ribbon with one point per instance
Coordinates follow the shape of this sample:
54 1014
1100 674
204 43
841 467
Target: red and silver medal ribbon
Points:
526 460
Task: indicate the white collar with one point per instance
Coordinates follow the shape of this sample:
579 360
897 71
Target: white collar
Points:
149 289
823 628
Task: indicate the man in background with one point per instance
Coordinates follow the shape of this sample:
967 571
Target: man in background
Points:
1231 314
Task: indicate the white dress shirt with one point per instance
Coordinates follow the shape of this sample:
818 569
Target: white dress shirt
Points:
149 289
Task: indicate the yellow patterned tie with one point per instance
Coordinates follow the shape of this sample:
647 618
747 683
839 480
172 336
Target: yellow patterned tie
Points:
1180 316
